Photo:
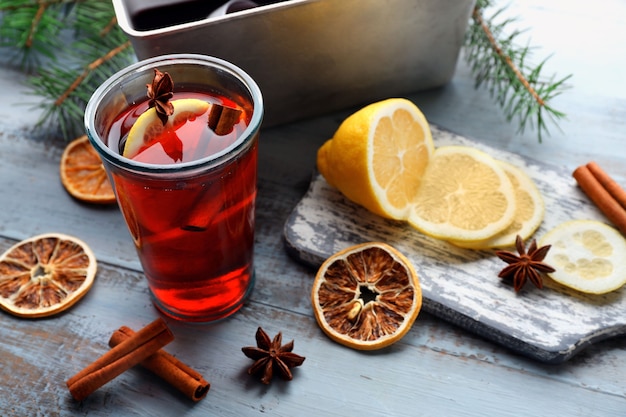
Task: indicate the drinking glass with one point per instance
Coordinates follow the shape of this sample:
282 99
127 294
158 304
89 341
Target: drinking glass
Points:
192 222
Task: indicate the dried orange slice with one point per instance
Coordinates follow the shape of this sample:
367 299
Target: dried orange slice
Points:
366 296
45 274
83 174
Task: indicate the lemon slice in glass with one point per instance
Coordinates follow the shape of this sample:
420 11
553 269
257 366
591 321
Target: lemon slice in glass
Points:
148 128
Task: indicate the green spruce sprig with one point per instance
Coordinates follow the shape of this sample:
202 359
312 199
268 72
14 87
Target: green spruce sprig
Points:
69 73
101 50
31 29
503 66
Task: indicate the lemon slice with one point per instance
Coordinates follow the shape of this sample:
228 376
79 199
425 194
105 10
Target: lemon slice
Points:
588 256
366 296
529 212
148 127
378 155
465 195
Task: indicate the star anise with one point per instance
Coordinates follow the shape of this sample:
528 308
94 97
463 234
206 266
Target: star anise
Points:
270 356
160 92
525 266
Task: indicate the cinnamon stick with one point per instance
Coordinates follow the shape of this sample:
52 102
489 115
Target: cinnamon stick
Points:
170 369
127 354
609 184
222 119
601 197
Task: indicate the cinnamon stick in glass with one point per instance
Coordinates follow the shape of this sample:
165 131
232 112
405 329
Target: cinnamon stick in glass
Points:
601 197
170 369
222 119
127 354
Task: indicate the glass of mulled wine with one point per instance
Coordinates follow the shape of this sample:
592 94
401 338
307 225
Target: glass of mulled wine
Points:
187 190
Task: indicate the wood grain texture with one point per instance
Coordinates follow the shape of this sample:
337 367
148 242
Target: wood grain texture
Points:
461 285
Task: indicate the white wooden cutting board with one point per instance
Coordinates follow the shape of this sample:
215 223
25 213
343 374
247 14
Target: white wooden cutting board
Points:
461 285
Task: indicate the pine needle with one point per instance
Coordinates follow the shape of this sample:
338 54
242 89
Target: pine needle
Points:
66 82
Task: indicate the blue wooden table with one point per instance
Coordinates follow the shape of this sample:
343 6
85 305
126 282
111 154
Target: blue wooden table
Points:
436 369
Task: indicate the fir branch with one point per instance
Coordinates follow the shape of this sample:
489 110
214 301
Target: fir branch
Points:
90 68
65 86
32 29
502 66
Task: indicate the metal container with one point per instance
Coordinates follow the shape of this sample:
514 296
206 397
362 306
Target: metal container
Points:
310 57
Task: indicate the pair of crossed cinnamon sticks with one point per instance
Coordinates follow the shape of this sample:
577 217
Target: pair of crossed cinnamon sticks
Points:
144 348
605 193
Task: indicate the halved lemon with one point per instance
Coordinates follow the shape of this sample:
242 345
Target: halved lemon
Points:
588 255
366 296
378 155
148 128
465 195
83 175
529 212
45 274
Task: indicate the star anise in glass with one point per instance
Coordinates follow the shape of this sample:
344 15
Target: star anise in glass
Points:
526 266
270 356
160 92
